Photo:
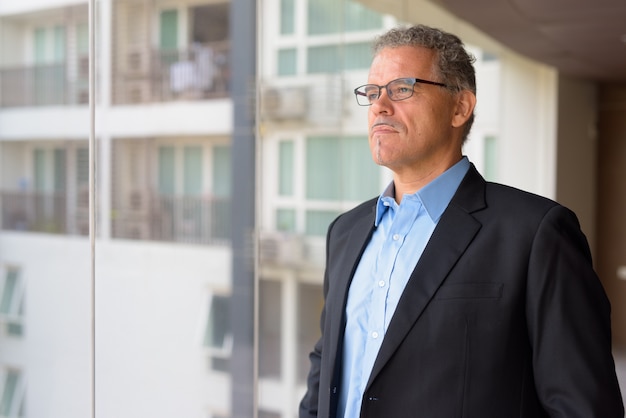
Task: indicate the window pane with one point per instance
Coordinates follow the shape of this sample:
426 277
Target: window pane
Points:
193 170
8 291
218 322
59 44
59 170
323 160
169 29
323 59
287 16
357 56
167 183
360 176
317 221
324 18
287 64
332 58
8 394
359 17
285 168
40 170
286 220
491 157
40 46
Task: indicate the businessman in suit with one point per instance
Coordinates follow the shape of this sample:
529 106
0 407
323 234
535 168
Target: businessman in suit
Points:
449 296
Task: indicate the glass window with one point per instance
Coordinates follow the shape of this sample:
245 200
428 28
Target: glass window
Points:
287 17
167 173
491 157
324 18
317 221
58 53
11 302
333 58
340 168
286 168
193 170
9 403
169 29
286 220
287 62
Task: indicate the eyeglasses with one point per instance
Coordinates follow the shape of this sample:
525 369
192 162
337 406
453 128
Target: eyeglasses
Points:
399 89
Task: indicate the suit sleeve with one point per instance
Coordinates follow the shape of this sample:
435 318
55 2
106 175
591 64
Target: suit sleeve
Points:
569 324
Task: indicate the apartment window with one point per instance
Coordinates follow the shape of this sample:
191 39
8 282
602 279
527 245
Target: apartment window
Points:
287 16
324 18
169 29
11 404
12 302
348 174
218 339
286 169
287 62
491 157
336 58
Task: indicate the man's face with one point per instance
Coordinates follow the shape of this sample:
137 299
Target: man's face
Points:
415 136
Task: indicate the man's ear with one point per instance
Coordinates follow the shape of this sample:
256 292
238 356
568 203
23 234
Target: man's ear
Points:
465 104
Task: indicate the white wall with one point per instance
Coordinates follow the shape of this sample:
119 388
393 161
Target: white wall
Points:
151 311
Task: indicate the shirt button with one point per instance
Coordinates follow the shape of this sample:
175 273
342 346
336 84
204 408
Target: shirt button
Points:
396 237
381 283
374 334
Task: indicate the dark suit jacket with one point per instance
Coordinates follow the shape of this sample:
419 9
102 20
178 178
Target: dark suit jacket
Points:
503 317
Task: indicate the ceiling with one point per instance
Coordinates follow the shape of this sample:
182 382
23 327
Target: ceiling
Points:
583 38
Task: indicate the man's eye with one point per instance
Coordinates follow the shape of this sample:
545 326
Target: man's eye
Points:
402 89
371 95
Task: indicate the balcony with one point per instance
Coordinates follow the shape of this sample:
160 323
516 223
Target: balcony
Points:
198 73
45 212
182 219
42 85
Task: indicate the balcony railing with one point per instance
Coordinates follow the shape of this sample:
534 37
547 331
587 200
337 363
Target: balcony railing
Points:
42 212
42 85
197 73
193 220
186 219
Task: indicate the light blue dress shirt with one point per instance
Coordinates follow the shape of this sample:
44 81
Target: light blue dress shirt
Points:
401 234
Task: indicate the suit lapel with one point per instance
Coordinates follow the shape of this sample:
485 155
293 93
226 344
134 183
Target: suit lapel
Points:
453 234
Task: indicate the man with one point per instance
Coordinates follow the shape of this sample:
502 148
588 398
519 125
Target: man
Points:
448 296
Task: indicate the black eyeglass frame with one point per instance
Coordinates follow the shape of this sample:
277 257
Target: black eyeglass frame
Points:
358 93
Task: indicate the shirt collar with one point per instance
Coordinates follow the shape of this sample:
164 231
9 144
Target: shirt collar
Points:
435 196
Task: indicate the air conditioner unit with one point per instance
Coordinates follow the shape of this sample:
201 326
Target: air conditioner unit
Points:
281 249
285 103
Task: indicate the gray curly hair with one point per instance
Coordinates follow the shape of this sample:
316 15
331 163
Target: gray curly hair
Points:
453 64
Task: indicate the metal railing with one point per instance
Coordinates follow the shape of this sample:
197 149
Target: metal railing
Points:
41 85
196 73
184 219
41 212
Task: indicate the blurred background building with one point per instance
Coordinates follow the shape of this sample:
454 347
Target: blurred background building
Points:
551 119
